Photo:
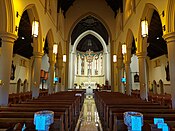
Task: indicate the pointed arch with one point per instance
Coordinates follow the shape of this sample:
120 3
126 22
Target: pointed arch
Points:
18 85
93 15
92 33
147 13
50 38
25 86
129 41
7 24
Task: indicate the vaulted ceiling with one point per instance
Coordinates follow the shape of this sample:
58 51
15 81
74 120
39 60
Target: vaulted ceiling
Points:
89 42
114 4
89 23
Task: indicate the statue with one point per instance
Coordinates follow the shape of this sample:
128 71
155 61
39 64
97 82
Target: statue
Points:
13 68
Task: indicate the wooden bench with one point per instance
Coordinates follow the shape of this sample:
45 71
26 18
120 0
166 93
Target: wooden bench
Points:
10 122
65 105
57 115
66 119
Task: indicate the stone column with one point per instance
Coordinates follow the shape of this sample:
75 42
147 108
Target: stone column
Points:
71 71
63 79
51 76
120 74
36 74
170 39
56 75
5 68
143 75
128 78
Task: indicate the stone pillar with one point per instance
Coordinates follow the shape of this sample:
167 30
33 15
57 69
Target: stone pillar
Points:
114 82
51 76
5 68
120 74
56 83
71 71
143 75
63 78
170 39
36 75
128 78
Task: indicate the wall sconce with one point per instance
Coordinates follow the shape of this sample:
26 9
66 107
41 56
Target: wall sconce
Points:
64 58
55 48
35 28
144 28
114 58
123 48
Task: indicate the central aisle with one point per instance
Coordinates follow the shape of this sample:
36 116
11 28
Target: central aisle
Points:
89 119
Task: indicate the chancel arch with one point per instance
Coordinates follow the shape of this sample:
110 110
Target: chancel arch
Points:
89 26
104 55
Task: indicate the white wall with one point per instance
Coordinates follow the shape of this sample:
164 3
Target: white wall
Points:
22 72
157 72
134 68
156 69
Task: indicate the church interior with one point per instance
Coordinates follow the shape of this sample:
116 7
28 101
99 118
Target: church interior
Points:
87 65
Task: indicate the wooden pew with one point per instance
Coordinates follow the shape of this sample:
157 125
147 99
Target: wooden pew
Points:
31 109
10 122
165 112
106 103
59 116
148 119
65 102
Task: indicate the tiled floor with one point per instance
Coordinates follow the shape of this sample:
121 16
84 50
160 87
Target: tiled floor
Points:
89 120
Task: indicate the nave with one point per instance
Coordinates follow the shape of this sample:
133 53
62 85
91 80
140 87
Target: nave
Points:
89 118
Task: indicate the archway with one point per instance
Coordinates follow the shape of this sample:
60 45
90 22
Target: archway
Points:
18 86
92 29
48 62
131 68
154 87
149 48
161 87
25 86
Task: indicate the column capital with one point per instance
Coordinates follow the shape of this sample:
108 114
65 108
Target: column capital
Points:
170 37
8 37
141 54
38 54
